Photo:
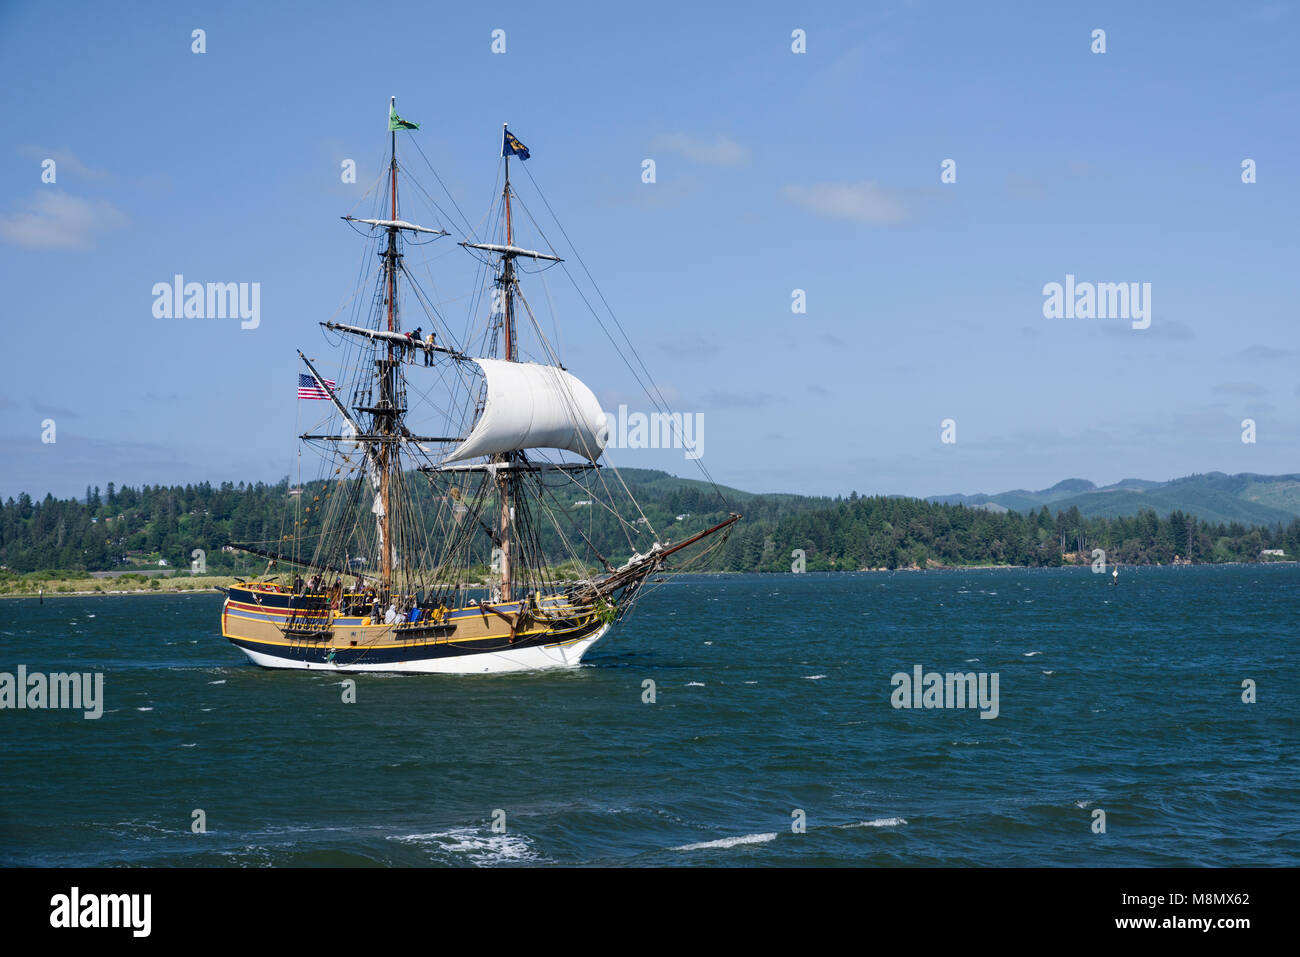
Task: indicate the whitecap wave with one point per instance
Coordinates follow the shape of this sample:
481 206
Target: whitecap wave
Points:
879 822
480 847
725 842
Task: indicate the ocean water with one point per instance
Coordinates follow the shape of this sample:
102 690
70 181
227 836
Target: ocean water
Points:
772 698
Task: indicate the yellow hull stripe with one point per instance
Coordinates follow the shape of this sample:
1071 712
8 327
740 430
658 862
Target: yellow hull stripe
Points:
375 642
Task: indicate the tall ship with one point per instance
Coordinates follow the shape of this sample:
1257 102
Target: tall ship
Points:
464 518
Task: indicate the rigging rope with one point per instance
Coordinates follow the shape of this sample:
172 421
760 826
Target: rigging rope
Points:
661 402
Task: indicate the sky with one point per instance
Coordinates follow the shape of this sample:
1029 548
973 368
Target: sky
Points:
775 171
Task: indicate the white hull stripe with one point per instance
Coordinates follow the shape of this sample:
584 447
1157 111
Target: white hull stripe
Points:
535 658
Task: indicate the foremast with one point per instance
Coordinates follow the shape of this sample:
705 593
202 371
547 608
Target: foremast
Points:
387 432
385 413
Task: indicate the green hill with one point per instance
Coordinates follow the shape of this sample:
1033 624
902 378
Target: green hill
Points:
1213 497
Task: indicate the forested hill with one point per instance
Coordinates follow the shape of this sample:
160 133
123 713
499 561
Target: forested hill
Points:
1247 498
124 528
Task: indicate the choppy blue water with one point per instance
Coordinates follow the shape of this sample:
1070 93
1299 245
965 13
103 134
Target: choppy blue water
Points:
773 694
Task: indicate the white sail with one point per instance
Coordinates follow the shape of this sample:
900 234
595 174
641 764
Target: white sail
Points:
532 406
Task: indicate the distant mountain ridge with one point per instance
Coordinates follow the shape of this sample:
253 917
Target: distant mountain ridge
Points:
1247 497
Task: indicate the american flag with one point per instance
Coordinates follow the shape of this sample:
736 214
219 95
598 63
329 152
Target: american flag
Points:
308 389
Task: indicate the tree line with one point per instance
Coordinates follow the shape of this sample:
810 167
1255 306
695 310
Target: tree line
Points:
126 526
886 532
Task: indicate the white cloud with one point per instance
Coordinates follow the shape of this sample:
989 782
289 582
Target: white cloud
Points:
66 160
721 152
57 220
866 202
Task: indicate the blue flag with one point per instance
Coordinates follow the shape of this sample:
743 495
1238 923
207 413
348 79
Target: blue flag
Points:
512 147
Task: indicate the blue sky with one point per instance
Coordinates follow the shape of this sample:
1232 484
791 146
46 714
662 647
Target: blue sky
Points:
775 171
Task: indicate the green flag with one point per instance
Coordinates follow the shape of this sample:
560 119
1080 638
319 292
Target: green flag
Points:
395 122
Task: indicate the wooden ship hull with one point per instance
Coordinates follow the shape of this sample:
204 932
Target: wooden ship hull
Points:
277 629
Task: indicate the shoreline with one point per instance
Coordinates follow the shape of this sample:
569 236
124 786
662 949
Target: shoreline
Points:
217 583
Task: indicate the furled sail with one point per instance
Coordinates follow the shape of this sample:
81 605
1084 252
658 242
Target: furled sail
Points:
512 251
397 224
532 406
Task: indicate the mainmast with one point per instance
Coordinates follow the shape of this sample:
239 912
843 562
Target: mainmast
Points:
502 461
